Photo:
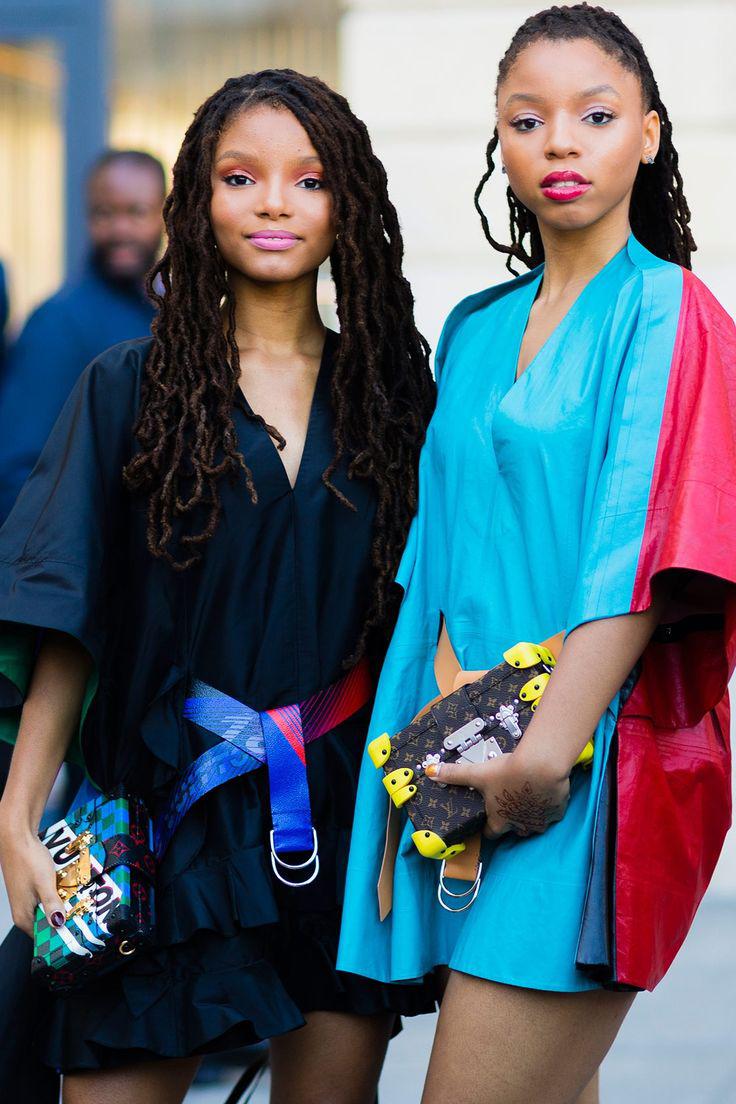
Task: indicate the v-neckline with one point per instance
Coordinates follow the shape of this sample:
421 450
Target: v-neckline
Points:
319 383
535 285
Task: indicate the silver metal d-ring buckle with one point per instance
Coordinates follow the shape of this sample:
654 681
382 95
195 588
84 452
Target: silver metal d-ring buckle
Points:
442 889
276 862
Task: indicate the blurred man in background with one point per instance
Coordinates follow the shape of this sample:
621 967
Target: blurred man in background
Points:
125 192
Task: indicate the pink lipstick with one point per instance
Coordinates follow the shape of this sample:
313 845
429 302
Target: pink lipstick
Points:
273 240
564 185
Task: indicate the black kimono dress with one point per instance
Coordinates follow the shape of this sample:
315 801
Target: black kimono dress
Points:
269 617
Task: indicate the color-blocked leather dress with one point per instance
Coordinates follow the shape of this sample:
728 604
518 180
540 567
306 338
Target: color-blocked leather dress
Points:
544 503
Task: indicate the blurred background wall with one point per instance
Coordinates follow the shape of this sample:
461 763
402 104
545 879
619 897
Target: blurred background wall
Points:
169 55
422 74
31 171
157 60
77 73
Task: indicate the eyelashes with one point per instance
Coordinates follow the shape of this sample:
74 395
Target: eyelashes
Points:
521 125
602 115
243 180
527 123
238 179
317 181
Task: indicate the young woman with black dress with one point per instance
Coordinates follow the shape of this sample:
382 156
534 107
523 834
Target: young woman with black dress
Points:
225 504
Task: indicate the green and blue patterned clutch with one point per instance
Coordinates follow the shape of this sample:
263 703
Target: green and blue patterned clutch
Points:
105 877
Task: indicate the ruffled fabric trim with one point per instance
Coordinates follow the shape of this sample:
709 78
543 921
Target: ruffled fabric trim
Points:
236 892
169 1009
224 896
214 994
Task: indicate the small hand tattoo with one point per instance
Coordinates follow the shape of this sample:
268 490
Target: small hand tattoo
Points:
527 811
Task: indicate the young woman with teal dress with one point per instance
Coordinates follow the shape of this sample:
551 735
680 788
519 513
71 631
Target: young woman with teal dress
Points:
579 474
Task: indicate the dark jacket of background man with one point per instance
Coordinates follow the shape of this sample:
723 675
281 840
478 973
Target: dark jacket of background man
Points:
106 305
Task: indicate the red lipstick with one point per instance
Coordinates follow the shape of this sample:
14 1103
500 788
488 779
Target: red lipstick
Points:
564 185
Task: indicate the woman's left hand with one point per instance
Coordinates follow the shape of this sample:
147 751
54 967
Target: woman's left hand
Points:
521 796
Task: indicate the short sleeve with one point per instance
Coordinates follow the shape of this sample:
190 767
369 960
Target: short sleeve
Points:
665 497
58 545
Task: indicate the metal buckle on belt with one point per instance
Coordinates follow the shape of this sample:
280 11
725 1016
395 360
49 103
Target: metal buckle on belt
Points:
276 862
442 890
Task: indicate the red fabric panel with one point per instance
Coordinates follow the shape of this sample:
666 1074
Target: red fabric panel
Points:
674 793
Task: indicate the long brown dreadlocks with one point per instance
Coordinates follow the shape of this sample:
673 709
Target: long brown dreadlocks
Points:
659 212
382 389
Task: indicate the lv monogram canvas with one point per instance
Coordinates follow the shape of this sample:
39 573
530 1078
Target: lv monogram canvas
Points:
105 875
478 722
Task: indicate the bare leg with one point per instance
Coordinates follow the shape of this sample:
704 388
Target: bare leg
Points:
164 1082
528 1047
589 1095
335 1059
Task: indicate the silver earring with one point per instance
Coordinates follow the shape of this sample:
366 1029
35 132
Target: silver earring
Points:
503 170
649 159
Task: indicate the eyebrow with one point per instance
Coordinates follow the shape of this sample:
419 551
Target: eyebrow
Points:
596 90
239 154
526 97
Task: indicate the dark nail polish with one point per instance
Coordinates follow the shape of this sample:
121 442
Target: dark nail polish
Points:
57 919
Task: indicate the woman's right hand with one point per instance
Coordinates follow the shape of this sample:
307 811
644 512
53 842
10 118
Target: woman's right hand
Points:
30 876
49 718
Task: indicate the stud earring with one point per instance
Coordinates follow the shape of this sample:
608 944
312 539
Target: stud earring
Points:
649 159
503 170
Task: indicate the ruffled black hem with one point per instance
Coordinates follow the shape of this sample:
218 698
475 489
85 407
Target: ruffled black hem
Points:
169 1009
229 893
212 994
224 895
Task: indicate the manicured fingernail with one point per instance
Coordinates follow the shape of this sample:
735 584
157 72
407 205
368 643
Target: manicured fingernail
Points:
57 919
432 771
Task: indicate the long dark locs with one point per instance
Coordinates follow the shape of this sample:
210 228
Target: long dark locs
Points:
659 212
383 393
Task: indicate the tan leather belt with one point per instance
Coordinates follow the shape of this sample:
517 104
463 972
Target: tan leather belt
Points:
465 865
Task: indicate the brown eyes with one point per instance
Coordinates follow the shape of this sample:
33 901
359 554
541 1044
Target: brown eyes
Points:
240 180
237 180
527 123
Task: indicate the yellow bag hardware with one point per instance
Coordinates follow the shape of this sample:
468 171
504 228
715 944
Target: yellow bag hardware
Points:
586 755
380 749
534 688
397 779
433 846
526 655
402 796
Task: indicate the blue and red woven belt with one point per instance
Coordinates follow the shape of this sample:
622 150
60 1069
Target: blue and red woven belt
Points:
276 738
